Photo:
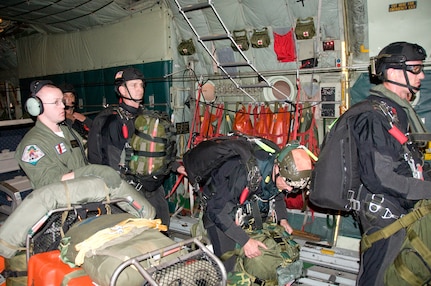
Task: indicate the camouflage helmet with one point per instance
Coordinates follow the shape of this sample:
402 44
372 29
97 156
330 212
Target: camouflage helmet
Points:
295 165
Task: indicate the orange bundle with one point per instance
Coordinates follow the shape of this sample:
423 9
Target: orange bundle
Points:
280 126
262 126
242 122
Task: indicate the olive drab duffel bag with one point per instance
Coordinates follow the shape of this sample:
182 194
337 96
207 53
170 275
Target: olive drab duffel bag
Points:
412 266
262 270
100 244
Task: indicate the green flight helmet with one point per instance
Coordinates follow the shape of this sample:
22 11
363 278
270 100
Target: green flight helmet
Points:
295 166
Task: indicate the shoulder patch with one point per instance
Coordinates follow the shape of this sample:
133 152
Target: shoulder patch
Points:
32 154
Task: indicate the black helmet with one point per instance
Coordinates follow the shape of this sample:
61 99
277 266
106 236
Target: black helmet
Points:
396 54
67 87
295 166
127 74
36 85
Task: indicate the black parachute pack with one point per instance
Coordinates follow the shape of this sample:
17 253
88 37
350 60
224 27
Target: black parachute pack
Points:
335 179
209 155
149 151
94 142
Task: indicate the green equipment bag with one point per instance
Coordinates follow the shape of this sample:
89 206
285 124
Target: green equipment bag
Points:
282 251
102 258
186 47
305 29
241 39
152 149
15 271
260 38
412 266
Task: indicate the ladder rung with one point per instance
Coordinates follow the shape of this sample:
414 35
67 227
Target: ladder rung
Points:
258 85
237 64
214 37
195 7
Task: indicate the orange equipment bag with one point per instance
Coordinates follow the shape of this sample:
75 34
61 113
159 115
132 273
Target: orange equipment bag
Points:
47 269
280 127
263 122
242 122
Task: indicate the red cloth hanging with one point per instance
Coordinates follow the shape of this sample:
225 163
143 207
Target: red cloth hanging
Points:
284 47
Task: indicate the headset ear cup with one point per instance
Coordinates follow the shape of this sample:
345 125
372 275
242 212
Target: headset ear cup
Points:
34 106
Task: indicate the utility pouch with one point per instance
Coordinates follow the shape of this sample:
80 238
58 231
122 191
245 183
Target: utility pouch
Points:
241 39
186 48
305 29
260 38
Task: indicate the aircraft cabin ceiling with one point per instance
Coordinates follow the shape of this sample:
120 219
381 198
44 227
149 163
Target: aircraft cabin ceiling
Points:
20 18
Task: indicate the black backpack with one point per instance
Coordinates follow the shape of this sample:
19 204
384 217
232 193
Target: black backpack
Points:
94 142
335 179
209 155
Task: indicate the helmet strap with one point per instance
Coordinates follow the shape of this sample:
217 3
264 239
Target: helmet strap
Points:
413 89
130 96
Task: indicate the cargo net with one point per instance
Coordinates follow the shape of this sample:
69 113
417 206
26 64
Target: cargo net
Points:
48 236
199 270
197 266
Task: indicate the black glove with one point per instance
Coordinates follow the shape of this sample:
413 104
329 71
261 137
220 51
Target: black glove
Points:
110 176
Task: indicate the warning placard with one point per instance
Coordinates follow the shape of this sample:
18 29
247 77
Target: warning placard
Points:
402 6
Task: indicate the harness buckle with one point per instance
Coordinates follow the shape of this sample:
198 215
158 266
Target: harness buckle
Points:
354 204
374 205
389 215
139 186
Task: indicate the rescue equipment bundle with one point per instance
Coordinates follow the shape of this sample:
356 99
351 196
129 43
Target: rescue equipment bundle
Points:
149 151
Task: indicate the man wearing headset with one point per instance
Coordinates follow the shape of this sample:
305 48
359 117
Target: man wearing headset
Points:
119 128
51 151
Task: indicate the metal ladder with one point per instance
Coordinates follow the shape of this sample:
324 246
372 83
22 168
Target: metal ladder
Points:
225 36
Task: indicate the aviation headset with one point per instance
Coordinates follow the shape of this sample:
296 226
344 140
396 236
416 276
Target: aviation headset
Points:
33 105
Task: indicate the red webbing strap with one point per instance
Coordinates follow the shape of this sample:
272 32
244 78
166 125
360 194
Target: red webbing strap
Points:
297 107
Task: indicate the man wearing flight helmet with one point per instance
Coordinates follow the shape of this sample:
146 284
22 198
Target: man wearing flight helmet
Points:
391 183
107 144
230 207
